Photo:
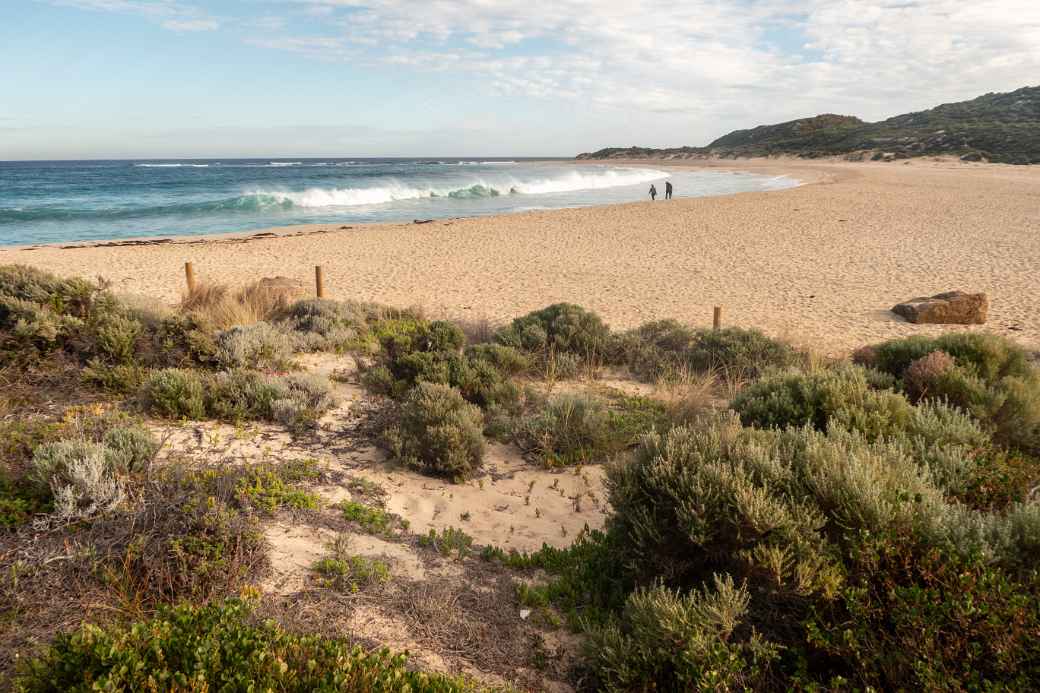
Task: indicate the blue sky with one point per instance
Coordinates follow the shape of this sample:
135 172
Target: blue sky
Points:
193 78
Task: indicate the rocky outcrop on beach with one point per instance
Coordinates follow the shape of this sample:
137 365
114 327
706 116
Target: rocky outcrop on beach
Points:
1003 128
950 308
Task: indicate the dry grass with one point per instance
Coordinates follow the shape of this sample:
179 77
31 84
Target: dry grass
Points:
220 306
689 394
478 330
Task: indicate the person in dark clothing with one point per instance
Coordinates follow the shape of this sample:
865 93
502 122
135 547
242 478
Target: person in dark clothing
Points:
668 190
653 192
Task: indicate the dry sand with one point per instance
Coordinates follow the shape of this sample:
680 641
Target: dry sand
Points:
820 264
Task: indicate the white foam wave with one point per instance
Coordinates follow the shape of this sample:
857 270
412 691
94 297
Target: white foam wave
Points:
285 163
590 180
171 165
347 197
470 188
484 163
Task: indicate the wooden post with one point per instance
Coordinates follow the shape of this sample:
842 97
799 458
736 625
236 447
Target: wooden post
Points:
716 321
189 276
319 282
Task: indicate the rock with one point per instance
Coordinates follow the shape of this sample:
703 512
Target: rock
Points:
971 156
280 283
952 308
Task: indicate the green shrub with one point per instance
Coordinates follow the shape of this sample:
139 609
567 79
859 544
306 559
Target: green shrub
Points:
130 447
260 345
73 297
929 621
660 349
573 429
669 641
118 378
295 401
372 520
568 429
562 328
505 359
175 393
990 377
268 488
1017 419
217 647
439 432
987 356
115 338
840 396
450 540
799 514
349 573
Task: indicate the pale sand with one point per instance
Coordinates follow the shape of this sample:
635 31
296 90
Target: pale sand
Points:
820 264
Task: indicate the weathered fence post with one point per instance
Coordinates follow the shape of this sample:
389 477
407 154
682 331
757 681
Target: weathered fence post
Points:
716 320
319 282
189 276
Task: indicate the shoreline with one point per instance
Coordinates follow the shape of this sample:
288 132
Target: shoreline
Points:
293 230
820 263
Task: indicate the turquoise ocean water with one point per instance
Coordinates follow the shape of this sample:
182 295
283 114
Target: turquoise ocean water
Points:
62 201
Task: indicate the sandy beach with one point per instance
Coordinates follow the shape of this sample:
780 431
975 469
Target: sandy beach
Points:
820 264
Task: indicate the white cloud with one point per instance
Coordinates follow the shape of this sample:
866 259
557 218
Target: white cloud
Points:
191 24
872 57
170 14
705 65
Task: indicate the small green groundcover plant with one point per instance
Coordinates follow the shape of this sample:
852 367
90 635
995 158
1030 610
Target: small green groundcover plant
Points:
218 647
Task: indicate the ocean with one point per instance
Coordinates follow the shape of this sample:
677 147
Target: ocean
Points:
65 201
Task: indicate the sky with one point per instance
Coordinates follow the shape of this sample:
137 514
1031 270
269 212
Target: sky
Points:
241 78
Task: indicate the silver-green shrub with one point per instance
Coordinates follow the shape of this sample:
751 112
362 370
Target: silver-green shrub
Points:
438 432
260 345
82 477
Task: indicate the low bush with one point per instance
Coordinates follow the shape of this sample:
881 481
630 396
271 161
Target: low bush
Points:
130 448
439 432
562 328
218 647
295 401
448 541
345 572
116 338
840 396
175 393
575 429
82 476
260 345
984 374
371 519
666 347
327 325
897 583
196 532
987 356
674 641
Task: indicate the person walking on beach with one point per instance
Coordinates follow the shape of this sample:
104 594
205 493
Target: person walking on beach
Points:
668 190
653 192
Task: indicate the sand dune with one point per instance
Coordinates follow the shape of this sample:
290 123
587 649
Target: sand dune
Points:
821 263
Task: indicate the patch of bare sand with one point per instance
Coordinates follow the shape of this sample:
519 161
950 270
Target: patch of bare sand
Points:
512 503
295 548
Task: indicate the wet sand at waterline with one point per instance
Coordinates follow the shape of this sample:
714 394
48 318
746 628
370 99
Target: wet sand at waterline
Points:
820 264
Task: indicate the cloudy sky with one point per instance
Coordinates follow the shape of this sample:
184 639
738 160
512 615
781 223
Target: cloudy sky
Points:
193 78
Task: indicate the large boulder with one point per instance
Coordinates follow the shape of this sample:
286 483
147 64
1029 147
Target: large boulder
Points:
952 308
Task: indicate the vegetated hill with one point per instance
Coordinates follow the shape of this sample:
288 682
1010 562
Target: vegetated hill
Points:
1002 128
